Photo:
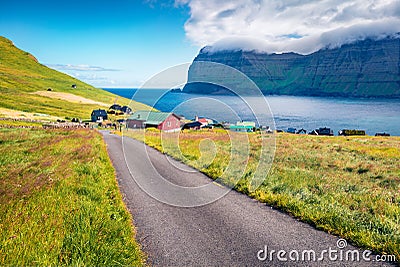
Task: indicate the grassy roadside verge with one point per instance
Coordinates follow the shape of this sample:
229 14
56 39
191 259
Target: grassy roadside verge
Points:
348 186
9 123
60 203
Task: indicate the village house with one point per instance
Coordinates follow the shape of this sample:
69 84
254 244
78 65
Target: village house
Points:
382 134
165 121
347 132
322 131
243 126
301 131
126 110
116 107
193 125
99 115
202 120
205 121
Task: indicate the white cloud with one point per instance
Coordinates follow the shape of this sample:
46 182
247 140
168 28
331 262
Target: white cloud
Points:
93 79
81 67
97 76
301 26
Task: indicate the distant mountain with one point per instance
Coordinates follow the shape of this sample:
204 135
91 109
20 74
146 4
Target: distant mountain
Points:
369 68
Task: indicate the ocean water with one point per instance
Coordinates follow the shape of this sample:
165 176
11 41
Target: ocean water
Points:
278 112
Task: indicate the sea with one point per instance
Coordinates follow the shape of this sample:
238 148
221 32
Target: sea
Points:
277 112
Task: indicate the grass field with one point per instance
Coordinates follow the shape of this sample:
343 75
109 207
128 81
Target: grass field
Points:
348 186
22 77
60 203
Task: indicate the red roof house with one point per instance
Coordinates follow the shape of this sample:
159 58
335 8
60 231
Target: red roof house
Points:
165 121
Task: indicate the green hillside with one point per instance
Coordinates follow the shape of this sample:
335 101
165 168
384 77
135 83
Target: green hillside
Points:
22 77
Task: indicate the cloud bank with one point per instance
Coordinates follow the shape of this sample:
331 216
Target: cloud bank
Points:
82 67
94 75
301 26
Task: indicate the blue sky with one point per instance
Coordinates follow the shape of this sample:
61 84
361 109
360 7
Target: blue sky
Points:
123 43
127 41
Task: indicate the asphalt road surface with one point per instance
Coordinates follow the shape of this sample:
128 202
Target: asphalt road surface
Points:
234 230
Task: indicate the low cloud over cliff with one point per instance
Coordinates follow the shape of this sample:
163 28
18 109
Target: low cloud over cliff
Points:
288 25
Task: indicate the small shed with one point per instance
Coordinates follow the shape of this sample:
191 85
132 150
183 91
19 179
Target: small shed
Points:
99 115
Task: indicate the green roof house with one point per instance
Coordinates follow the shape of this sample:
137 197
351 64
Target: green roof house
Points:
243 126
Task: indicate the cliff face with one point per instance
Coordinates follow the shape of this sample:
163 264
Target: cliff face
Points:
363 69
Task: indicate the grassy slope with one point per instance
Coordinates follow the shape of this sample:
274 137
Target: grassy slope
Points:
59 200
349 186
21 74
60 203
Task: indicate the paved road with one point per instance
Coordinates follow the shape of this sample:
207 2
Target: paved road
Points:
228 232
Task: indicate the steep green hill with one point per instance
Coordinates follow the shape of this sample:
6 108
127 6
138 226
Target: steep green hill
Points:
22 77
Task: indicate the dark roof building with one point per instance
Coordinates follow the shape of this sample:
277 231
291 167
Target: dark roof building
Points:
322 131
194 125
98 115
116 107
301 131
126 110
382 134
347 132
325 131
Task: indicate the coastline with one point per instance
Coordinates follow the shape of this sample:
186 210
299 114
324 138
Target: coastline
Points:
371 115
